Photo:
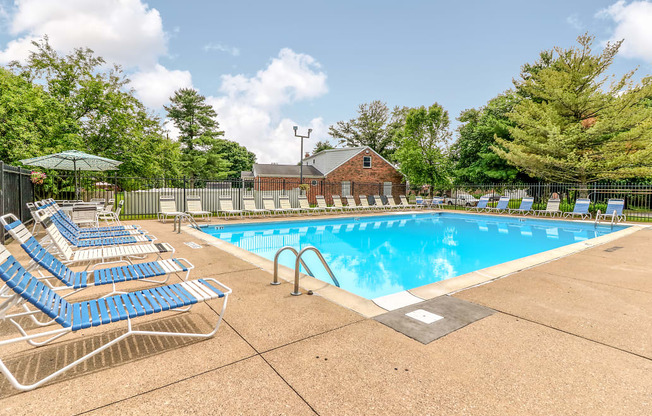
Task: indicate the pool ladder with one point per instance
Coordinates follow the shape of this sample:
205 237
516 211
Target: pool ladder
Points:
299 262
597 219
179 218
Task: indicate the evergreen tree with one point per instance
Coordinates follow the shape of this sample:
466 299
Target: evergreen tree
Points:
322 145
576 127
198 135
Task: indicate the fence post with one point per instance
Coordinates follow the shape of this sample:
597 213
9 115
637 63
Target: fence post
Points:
183 207
2 198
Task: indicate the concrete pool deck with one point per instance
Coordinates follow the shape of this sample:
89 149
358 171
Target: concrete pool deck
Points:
571 336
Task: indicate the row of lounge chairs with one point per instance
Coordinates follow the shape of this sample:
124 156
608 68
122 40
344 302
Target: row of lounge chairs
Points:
39 291
282 207
614 209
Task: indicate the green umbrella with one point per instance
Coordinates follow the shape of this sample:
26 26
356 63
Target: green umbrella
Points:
73 160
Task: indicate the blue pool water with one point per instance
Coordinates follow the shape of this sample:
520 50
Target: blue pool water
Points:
374 256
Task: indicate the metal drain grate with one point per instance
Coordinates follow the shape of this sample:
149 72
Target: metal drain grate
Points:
192 244
612 249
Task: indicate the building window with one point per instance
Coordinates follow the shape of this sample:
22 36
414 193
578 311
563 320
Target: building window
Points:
366 162
346 188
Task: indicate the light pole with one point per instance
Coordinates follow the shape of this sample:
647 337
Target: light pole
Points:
301 159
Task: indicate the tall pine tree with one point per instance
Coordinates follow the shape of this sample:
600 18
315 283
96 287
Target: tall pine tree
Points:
576 127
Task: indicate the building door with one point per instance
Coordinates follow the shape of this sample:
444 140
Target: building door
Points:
346 188
387 188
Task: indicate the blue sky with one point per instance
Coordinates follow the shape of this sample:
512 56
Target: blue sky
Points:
268 65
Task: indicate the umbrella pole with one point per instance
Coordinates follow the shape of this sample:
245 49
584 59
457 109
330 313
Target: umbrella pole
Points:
74 165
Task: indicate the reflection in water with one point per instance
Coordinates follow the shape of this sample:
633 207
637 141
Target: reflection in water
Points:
372 257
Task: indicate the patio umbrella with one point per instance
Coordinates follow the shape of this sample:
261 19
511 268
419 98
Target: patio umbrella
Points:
73 160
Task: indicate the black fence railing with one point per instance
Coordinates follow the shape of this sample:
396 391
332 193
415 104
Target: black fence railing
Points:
638 197
141 195
16 189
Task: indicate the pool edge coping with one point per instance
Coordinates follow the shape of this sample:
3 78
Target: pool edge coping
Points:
370 308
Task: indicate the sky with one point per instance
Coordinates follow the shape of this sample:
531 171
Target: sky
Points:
266 66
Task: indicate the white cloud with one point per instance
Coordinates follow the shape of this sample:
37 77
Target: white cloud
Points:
221 48
634 25
575 22
155 87
249 109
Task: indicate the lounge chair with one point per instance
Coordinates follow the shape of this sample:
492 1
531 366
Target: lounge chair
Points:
436 202
110 275
226 207
109 216
580 209
337 203
364 203
525 207
501 206
268 204
284 203
250 207
552 208
63 222
321 203
167 208
405 203
194 208
24 289
83 242
305 205
420 202
85 214
614 210
378 202
481 205
115 229
391 203
93 255
351 205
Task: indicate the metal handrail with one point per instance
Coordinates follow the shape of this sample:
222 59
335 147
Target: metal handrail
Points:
299 261
276 256
597 219
181 217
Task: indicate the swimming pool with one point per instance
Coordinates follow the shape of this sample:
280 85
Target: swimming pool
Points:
374 256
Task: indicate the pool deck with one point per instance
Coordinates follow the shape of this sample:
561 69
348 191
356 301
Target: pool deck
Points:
571 336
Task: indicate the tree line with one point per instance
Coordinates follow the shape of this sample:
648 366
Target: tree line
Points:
53 102
564 120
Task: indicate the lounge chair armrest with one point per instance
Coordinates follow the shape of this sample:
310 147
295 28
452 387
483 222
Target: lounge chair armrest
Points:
227 290
188 264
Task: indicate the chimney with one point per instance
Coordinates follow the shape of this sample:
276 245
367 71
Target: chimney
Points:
307 155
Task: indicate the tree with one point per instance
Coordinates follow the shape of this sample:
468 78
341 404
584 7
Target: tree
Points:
576 127
322 145
374 127
198 134
421 146
474 159
96 111
237 156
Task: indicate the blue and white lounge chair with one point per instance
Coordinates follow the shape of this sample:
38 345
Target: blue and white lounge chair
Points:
93 255
83 241
525 208
580 209
420 202
501 206
482 204
614 210
54 210
436 202
21 289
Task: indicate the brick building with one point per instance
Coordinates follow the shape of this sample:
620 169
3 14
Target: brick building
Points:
344 171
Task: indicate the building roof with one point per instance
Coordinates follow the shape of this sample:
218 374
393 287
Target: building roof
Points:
284 171
328 160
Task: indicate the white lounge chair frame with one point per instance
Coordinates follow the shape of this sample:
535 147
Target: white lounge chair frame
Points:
167 208
194 208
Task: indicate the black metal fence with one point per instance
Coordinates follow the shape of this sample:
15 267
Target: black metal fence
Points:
141 195
638 197
16 189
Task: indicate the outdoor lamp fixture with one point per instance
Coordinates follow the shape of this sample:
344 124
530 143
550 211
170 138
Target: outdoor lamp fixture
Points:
301 159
